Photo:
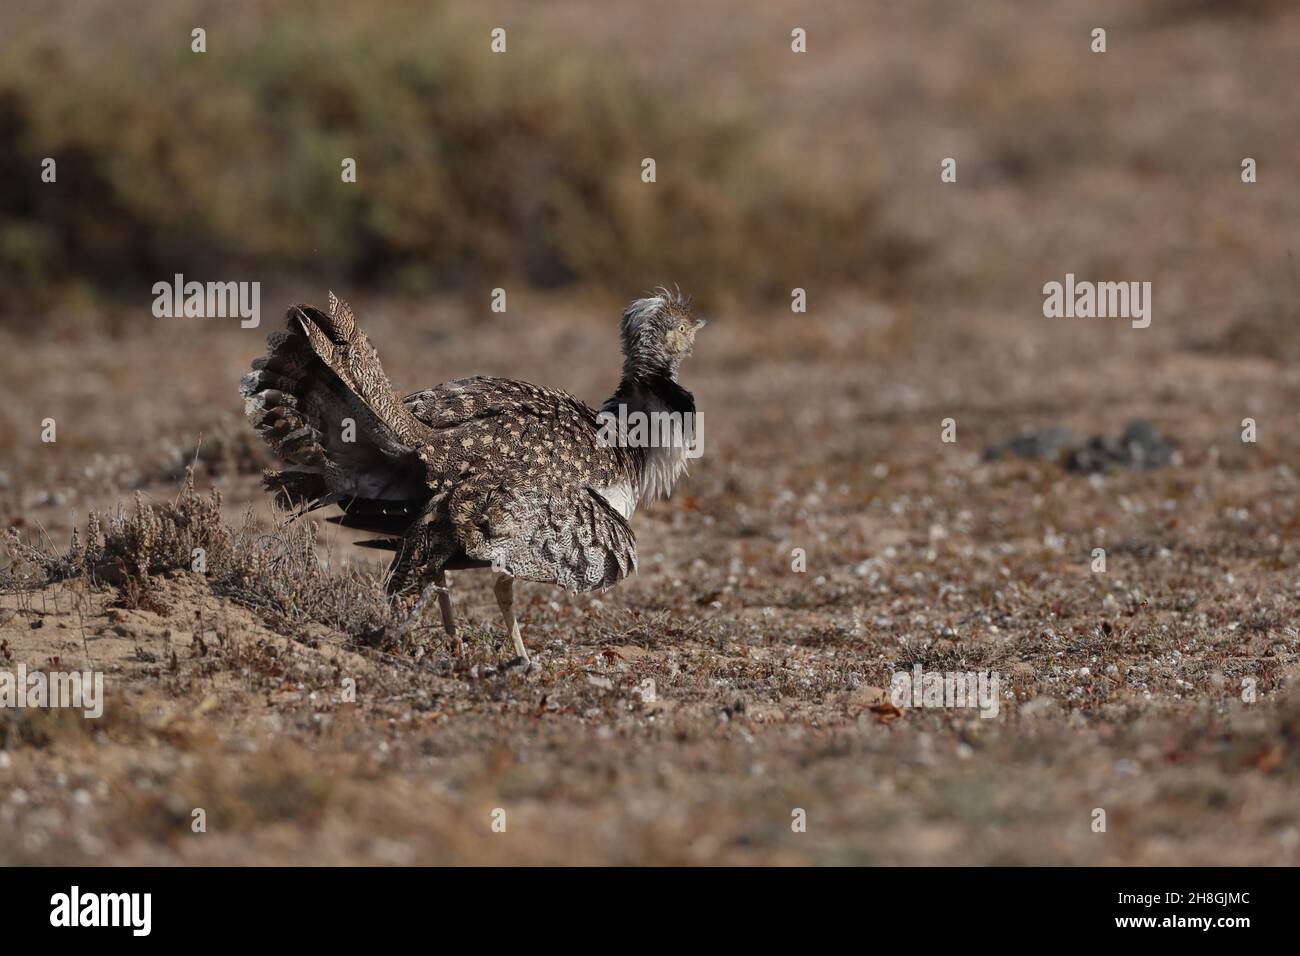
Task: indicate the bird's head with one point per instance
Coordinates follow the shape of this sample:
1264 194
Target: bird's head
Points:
658 332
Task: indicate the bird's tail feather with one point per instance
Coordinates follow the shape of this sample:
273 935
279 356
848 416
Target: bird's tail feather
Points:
321 401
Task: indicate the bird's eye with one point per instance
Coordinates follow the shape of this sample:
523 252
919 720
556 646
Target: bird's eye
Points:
681 328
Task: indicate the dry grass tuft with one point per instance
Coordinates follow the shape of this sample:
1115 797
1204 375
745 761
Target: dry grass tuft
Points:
279 573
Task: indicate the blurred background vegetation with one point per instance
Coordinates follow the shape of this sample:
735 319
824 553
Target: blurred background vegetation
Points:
472 167
522 170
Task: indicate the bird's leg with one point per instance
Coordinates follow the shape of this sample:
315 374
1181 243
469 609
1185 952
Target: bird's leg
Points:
433 587
444 605
505 592
444 602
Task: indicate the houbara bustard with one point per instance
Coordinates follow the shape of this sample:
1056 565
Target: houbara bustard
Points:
479 472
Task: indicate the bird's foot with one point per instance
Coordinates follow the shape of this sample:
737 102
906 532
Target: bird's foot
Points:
522 664
417 611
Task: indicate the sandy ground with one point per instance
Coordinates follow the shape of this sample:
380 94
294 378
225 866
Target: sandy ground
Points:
1119 690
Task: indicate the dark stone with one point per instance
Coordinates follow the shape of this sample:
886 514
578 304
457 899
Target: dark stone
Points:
1140 445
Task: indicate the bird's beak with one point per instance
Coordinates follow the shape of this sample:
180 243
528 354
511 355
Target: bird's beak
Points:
699 324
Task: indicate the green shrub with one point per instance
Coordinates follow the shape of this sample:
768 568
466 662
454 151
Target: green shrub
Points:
473 167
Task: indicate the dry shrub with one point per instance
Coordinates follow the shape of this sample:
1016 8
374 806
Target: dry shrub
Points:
133 546
280 573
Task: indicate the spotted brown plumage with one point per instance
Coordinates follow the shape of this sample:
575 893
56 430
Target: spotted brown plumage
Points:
477 472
